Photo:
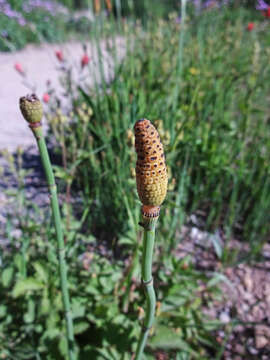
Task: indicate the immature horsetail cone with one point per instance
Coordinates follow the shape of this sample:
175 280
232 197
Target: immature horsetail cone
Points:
31 108
151 172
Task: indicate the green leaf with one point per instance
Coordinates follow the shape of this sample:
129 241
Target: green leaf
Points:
51 333
42 272
215 239
45 302
24 285
217 278
78 309
61 173
63 347
30 315
168 339
3 311
91 290
7 276
125 241
18 261
81 327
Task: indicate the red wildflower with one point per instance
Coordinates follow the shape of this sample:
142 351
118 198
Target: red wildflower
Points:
46 97
85 60
59 55
250 26
18 67
267 13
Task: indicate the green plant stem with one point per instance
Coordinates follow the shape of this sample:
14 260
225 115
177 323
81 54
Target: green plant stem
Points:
59 236
179 67
147 281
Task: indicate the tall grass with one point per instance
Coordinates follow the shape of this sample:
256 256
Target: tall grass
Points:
210 92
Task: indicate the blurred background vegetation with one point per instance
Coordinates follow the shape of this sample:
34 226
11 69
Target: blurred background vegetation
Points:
36 21
203 80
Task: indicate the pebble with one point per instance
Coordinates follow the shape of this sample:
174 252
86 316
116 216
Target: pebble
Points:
224 317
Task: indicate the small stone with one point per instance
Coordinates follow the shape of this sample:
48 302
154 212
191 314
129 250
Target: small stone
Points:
261 341
239 349
224 317
258 313
249 298
229 272
245 307
266 292
239 328
247 281
252 350
262 336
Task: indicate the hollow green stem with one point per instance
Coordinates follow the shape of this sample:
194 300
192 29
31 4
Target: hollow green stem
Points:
149 226
59 236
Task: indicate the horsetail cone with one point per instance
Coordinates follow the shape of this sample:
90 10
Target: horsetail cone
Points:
31 108
151 172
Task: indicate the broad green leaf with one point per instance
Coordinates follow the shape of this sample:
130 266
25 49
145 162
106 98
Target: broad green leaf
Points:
18 261
45 302
168 339
42 272
3 311
81 327
78 309
24 285
51 333
91 290
63 347
30 315
7 276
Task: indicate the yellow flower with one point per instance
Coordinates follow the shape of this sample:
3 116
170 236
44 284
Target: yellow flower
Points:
194 71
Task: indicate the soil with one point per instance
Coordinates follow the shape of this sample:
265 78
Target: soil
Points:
245 306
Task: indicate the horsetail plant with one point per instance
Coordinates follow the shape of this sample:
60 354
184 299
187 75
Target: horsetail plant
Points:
32 111
151 179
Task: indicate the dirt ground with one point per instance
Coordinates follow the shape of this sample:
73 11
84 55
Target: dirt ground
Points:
40 65
245 306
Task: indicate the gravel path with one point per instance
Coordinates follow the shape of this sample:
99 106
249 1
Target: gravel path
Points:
244 308
40 64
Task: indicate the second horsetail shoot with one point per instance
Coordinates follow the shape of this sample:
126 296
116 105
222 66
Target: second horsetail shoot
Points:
151 179
32 111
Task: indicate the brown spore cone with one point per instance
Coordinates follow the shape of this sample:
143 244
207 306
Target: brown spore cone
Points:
151 172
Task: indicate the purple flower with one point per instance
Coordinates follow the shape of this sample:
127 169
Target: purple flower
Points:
4 34
6 9
198 5
21 21
215 3
261 5
50 6
210 3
